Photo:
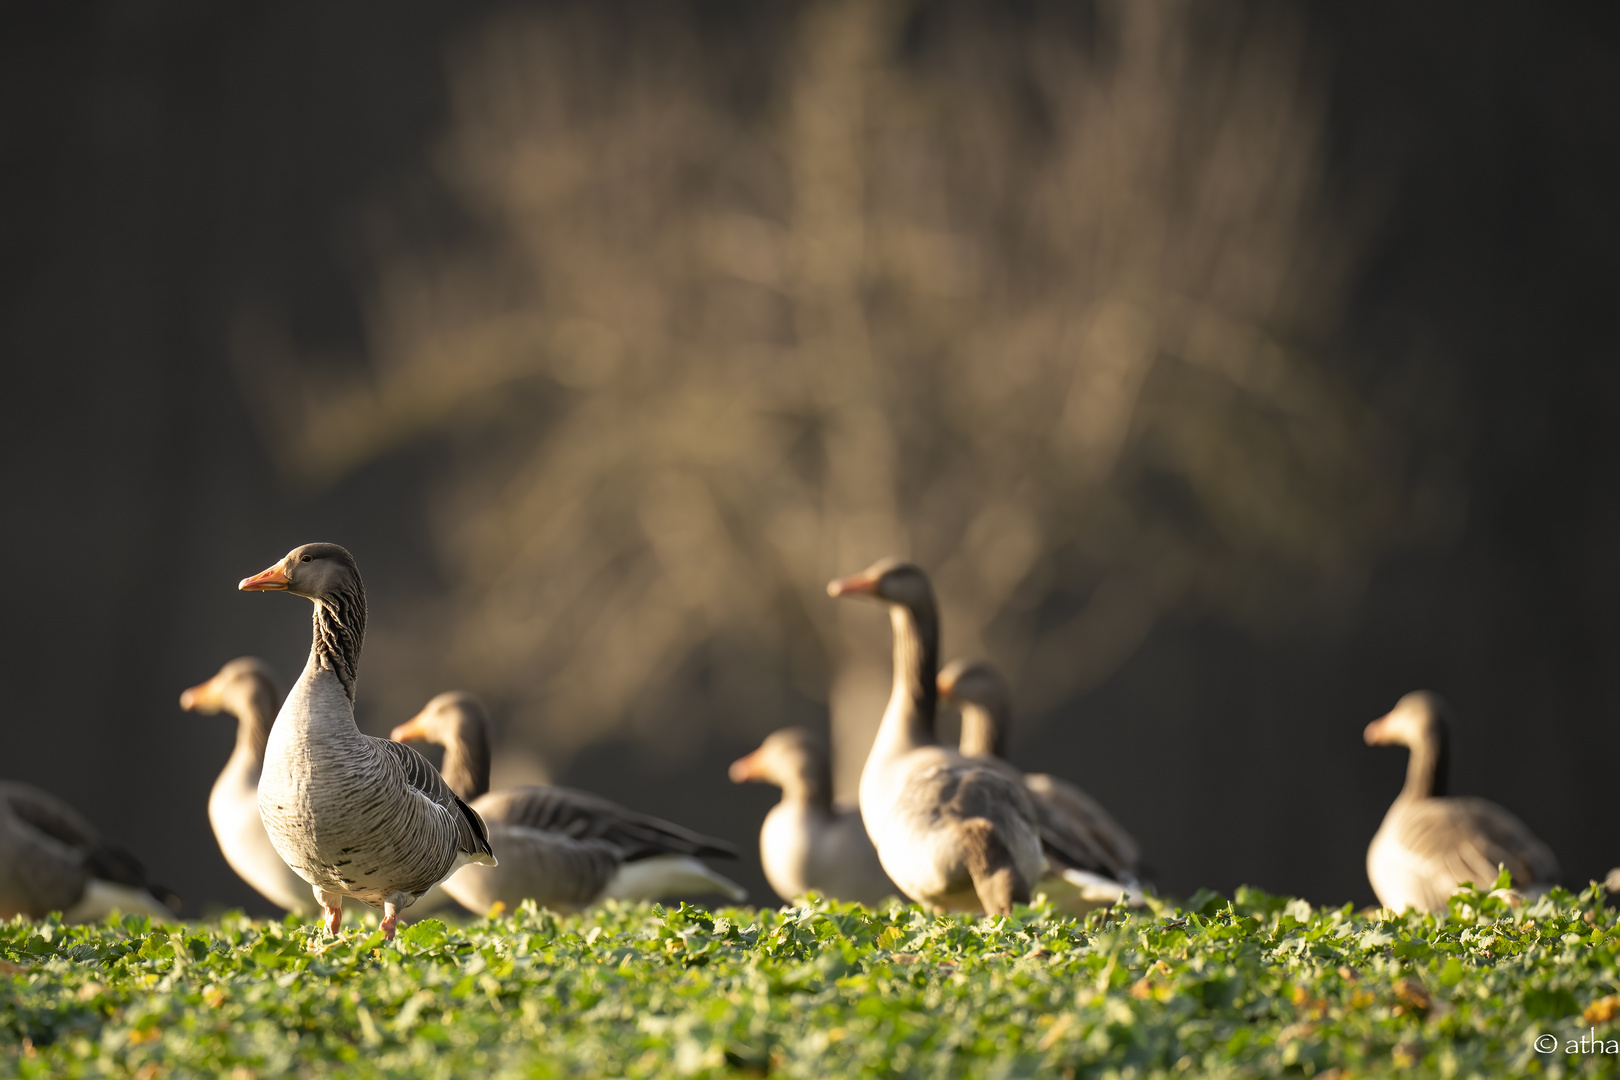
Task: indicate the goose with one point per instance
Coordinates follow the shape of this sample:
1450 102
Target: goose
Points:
953 834
52 859
807 844
563 848
245 689
353 815
1431 843
1091 859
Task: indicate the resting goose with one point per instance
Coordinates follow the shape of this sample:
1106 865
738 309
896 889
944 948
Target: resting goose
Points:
807 844
1091 859
245 689
52 859
564 849
951 833
353 815
1431 843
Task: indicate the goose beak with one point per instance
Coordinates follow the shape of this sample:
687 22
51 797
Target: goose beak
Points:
266 580
745 769
414 728
192 697
857 585
1374 734
946 683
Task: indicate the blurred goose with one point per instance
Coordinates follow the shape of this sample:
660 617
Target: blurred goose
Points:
807 844
1091 859
353 815
951 833
52 859
1429 843
562 848
245 689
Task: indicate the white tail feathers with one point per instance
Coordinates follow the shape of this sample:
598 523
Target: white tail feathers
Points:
102 898
669 875
1079 891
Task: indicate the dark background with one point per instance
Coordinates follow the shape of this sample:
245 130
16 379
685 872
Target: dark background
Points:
165 166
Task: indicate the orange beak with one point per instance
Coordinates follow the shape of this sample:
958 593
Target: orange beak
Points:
1374 733
745 769
266 580
857 585
191 697
945 684
413 729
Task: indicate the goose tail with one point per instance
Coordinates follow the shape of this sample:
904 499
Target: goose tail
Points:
101 898
661 876
1078 891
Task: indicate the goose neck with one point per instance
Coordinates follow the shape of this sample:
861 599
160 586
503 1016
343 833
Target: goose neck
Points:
253 721
913 701
984 733
340 631
466 762
810 788
1428 769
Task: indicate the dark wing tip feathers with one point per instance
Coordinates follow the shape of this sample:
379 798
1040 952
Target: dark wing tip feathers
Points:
584 816
480 831
104 858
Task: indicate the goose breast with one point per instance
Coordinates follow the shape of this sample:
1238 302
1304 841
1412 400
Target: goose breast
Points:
1426 848
927 819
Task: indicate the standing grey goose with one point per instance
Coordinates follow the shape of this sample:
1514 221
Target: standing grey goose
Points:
245 689
564 849
951 833
1431 843
1091 859
807 844
353 815
52 859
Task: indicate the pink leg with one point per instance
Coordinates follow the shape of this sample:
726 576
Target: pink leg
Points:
390 917
331 910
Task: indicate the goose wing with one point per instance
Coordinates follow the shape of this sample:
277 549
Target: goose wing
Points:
553 870
44 871
1076 828
583 816
57 849
1465 839
472 837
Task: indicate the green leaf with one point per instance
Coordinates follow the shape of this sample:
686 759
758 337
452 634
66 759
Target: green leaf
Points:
826 989
425 935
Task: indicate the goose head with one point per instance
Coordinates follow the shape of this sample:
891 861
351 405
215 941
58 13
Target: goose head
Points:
1415 721
915 620
792 759
236 688
1418 722
327 575
455 720
453 717
892 581
981 693
320 572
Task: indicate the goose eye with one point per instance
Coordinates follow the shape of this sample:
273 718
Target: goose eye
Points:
304 558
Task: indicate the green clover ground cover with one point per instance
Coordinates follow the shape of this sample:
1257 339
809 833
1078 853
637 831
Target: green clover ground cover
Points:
1256 986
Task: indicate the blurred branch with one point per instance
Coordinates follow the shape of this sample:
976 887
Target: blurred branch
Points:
1041 312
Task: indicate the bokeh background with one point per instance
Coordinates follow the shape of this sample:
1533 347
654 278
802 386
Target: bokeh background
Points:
1235 368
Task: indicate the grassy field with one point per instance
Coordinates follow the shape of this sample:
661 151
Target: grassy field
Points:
1254 986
